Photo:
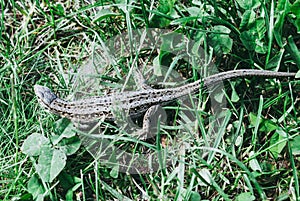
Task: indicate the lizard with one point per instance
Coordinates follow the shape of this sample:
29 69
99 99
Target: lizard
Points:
135 102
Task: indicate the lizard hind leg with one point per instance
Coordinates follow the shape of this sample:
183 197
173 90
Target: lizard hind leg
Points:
154 116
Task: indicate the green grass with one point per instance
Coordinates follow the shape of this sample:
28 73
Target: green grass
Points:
252 155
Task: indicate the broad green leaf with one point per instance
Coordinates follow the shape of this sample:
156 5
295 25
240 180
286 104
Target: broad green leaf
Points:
278 136
66 180
268 126
248 39
247 18
67 132
70 145
74 189
50 163
197 50
234 95
69 195
174 14
195 196
260 28
166 6
295 8
220 40
35 186
198 3
60 9
253 163
247 5
260 47
40 198
294 50
70 183
240 138
253 39
205 177
253 119
33 144
65 128
245 196
295 145
114 172
283 6
297 23
275 61
164 13
282 10
219 96
194 11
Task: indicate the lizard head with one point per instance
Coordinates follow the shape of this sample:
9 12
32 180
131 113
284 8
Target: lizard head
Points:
44 94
